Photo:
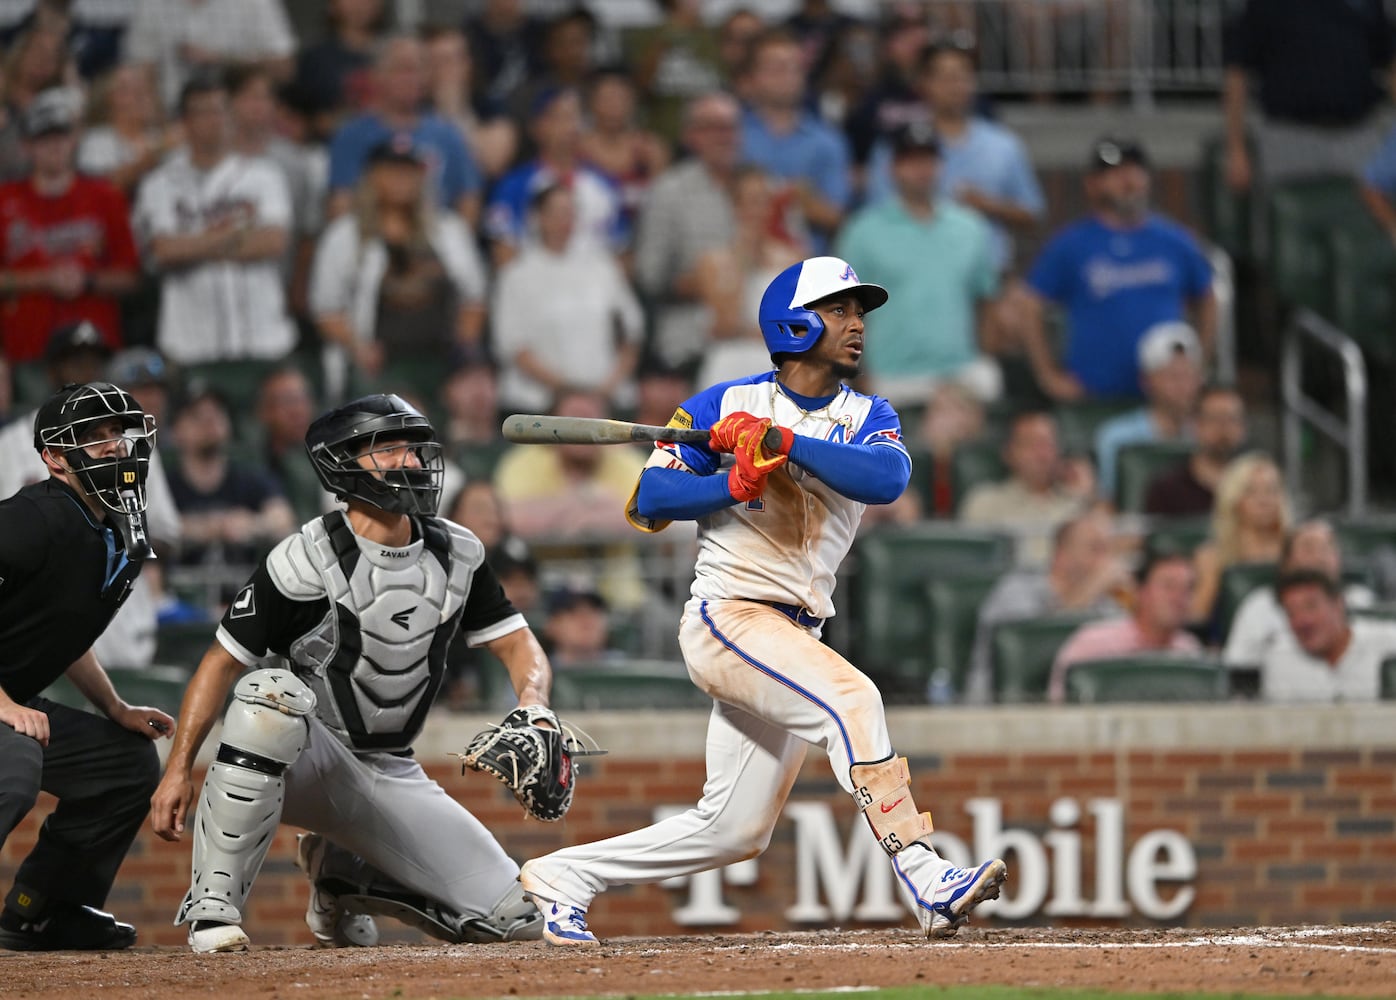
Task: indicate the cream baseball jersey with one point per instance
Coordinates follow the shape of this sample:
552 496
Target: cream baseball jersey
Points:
787 545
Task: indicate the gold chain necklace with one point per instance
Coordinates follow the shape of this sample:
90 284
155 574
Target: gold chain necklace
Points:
777 388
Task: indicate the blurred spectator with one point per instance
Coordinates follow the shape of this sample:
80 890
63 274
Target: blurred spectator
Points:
954 417
143 373
936 259
470 431
1250 521
188 38
1188 490
477 506
1084 576
1164 591
285 407
66 252
334 72
400 90
570 490
33 65
565 61
846 77
564 315
131 139
788 141
215 225
1378 185
1259 623
490 133
661 391
687 215
984 165
517 571
1316 72
555 125
89 30
631 156
673 62
1323 656
895 101
734 37
1170 365
1043 489
818 26
252 107
507 45
732 279
578 629
231 512
398 277
1116 273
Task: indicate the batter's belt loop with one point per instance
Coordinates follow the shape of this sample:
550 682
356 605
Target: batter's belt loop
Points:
796 614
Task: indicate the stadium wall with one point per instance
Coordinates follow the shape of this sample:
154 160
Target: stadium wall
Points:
1189 815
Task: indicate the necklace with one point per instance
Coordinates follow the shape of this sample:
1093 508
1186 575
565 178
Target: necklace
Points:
778 389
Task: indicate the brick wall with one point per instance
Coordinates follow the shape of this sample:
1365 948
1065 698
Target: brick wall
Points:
1280 835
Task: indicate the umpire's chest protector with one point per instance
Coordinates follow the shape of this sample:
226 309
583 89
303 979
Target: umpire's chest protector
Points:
377 658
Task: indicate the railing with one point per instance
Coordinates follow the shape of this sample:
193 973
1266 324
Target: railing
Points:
1224 290
1299 409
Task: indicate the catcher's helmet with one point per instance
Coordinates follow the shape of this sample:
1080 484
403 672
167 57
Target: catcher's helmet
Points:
367 427
788 324
64 425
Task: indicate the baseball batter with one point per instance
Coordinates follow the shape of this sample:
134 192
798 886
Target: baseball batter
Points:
356 610
773 529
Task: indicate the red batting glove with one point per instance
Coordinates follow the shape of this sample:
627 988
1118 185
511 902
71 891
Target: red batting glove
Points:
747 478
744 482
725 435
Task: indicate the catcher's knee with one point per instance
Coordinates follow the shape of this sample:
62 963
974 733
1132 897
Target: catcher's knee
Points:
264 728
512 918
882 790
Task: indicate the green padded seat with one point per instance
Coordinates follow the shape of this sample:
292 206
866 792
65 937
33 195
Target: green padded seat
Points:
1236 582
974 463
1177 534
953 603
1364 288
1022 653
183 644
639 684
1388 678
1302 214
1080 421
1146 678
1136 465
160 687
1226 214
239 382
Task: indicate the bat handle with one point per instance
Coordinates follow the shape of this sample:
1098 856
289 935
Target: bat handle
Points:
771 440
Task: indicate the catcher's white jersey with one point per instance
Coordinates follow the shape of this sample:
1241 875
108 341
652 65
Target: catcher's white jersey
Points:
787 545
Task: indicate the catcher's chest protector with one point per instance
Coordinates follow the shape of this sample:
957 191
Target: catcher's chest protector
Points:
377 659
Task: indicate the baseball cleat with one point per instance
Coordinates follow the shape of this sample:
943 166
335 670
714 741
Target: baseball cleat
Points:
567 925
955 893
209 936
330 923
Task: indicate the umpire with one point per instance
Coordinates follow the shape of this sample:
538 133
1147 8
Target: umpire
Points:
70 549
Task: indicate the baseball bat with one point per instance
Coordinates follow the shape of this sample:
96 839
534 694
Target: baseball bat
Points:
539 428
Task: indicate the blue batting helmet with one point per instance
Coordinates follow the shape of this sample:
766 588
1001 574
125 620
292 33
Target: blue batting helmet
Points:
788 324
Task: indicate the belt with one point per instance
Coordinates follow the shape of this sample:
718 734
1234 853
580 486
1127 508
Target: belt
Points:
795 613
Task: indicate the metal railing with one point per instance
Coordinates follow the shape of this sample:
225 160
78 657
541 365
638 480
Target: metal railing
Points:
1224 290
1349 434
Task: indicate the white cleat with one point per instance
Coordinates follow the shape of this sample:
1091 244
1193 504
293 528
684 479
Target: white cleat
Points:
564 924
331 925
207 937
944 906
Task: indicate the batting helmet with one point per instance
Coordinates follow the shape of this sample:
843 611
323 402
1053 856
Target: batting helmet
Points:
65 424
788 324
366 427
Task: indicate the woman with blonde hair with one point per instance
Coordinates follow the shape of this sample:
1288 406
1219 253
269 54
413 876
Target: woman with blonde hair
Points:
1250 518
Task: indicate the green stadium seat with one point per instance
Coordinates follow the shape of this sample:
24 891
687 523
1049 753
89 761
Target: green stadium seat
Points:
1388 678
1364 287
157 686
641 684
415 376
1136 466
1236 582
31 384
1301 215
1226 215
1145 679
238 380
1177 534
953 603
893 564
1080 421
1022 653
1359 537
974 463
182 645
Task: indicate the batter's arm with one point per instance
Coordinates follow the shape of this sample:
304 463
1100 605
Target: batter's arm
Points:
866 473
528 666
203 703
681 495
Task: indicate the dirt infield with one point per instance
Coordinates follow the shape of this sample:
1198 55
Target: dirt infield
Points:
1350 961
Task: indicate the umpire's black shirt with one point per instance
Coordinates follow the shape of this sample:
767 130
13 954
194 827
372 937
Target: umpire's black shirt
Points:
63 574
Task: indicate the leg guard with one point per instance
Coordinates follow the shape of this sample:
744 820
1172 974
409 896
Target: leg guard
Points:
239 809
882 790
512 918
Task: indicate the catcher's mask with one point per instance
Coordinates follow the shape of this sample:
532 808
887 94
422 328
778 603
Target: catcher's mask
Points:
394 479
109 466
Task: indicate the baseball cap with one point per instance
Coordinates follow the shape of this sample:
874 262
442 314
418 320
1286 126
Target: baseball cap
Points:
399 147
54 110
1162 342
575 595
915 137
1113 151
821 277
73 338
138 366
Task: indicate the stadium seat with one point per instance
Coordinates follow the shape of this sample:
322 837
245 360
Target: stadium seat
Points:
31 384
974 463
1022 653
639 684
182 645
1360 537
239 381
953 603
1177 534
1301 214
1236 582
1364 287
1136 466
1146 678
157 686
889 597
1226 215
1080 421
1388 678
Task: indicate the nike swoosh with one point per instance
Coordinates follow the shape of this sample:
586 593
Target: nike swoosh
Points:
887 808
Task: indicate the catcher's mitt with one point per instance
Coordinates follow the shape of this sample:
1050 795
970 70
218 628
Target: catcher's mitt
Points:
533 761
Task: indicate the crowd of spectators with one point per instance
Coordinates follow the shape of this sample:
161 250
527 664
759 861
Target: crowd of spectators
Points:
488 211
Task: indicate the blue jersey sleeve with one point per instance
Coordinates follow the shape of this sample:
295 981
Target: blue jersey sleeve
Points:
874 468
1197 269
1050 276
459 175
504 214
348 149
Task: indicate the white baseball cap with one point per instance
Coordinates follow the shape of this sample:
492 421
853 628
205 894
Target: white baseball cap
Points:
1162 342
821 277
